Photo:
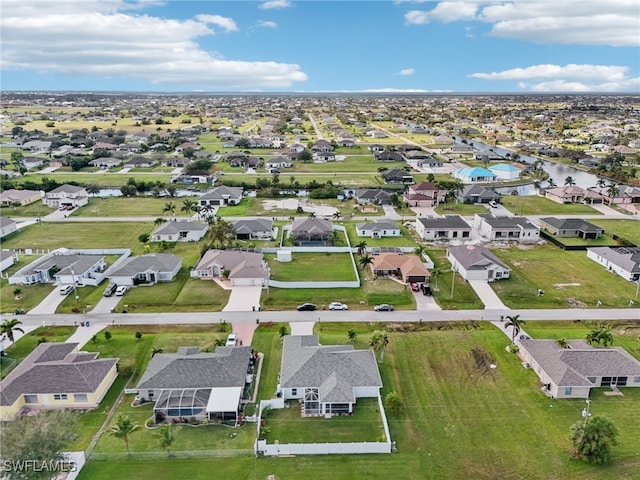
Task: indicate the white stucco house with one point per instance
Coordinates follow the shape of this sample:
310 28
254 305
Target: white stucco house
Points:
623 261
146 269
242 268
451 227
62 267
66 195
378 229
179 231
504 171
518 229
475 262
7 226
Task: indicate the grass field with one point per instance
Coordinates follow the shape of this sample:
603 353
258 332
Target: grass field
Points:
628 229
460 421
36 209
565 276
312 267
115 180
464 297
29 297
406 240
130 207
464 209
88 297
535 205
603 241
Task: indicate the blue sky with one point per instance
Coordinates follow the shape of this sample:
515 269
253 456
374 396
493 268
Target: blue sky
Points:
321 46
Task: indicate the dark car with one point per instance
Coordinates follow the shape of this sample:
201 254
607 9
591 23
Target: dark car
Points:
310 307
414 287
383 307
110 290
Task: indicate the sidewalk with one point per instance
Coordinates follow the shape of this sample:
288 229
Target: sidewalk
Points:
82 335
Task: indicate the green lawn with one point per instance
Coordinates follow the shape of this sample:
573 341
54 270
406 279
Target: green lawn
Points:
30 295
406 240
287 426
312 267
36 209
628 229
535 205
266 340
565 276
603 241
88 297
464 297
130 207
464 209
115 180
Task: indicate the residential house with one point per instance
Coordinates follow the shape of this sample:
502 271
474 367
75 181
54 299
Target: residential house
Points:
487 155
572 372
373 196
504 171
376 148
442 140
105 162
175 162
395 175
194 177
254 229
378 229
327 380
206 386
7 259
241 268
222 195
474 175
409 267
61 267
146 269
322 146
475 262
518 229
66 195
278 162
13 197
461 149
312 231
325 156
56 375
7 226
37 146
179 231
425 194
572 194
451 227
388 157
139 162
479 194
624 261
31 163
570 228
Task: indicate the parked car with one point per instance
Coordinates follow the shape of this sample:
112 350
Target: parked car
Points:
493 204
65 289
121 290
337 306
383 307
310 307
524 336
232 340
110 290
414 286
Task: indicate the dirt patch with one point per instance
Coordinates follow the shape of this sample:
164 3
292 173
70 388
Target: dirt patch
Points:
483 359
575 303
561 285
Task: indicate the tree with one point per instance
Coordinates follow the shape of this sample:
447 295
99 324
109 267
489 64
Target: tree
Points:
435 273
312 214
40 438
419 251
337 215
305 156
392 402
107 336
351 334
601 183
18 161
365 261
551 182
155 351
569 181
159 221
144 237
379 341
9 326
600 334
122 429
516 323
17 292
221 231
169 208
283 330
138 335
593 438
189 207
361 247
562 343
612 191
166 438
93 189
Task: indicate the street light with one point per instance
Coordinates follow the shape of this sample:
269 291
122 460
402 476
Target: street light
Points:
453 280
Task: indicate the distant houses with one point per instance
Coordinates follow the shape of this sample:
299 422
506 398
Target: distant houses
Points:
475 175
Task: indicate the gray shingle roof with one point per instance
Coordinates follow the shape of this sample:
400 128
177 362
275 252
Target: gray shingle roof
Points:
378 225
507 222
174 228
624 257
470 256
253 225
334 369
448 221
54 368
65 263
5 221
222 192
158 262
571 224
226 367
311 225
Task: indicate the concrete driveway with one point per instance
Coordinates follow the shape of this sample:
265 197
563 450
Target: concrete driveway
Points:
487 295
105 305
244 299
49 304
425 302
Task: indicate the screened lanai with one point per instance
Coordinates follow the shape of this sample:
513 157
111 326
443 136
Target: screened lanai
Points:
187 402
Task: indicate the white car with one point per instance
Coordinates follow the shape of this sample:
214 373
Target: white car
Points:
121 290
232 340
65 289
337 306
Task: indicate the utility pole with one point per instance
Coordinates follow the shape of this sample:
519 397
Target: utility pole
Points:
453 280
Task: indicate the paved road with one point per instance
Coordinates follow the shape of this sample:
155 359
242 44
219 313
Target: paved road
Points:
315 127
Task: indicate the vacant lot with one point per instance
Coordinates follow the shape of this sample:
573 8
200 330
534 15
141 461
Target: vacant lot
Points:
464 209
567 278
36 209
628 229
312 267
115 180
131 207
535 205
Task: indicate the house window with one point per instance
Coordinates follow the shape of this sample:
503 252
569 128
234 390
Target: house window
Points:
80 397
592 379
59 396
636 379
31 399
567 391
294 391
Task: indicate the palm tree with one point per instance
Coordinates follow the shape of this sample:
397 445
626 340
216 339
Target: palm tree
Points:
569 181
312 214
362 247
156 351
352 335
166 438
435 273
379 341
189 207
206 210
515 322
219 342
10 326
93 189
551 182
159 221
122 429
17 292
612 191
365 261
337 215
601 183
562 343
420 250
169 208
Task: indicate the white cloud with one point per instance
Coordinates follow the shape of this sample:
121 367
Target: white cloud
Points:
275 4
267 24
407 71
568 78
225 23
584 22
98 38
